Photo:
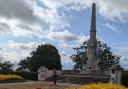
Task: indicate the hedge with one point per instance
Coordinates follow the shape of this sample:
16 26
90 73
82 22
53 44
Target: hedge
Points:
28 75
125 78
25 75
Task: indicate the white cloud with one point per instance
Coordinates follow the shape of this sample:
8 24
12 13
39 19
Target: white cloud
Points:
63 36
112 27
50 18
22 46
67 63
111 9
64 45
122 50
64 4
28 18
7 55
114 10
14 51
16 9
82 38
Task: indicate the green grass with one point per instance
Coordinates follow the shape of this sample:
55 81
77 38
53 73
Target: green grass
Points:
30 86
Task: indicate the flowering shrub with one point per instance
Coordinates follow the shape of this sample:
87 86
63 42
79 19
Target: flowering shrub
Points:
99 86
10 77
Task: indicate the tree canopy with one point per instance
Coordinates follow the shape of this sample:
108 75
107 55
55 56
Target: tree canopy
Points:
44 55
6 66
105 57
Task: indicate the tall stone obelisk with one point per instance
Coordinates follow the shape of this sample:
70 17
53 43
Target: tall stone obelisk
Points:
92 45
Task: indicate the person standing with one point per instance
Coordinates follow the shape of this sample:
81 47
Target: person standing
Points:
54 76
113 77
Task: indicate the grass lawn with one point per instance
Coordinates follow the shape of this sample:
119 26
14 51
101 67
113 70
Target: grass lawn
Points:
30 86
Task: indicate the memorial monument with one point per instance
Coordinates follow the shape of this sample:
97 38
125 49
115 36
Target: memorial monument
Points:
92 73
92 43
92 46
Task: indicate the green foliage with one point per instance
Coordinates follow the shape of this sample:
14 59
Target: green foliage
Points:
28 75
105 58
6 66
125 78
45 55
80 58
25 64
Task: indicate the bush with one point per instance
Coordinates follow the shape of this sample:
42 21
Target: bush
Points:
99 86
28 75
125 78
10 77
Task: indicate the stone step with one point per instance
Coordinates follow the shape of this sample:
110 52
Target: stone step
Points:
80 80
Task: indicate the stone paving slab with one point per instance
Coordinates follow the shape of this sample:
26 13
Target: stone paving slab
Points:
49 83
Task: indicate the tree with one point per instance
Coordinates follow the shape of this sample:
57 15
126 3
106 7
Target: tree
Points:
6 66
105 57
45 55
25 65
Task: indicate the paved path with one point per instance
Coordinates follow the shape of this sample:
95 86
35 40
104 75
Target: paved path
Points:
30 82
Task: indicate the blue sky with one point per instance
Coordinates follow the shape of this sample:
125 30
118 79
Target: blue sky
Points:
25 24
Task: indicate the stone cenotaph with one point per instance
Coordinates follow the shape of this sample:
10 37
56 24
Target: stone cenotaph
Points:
92 46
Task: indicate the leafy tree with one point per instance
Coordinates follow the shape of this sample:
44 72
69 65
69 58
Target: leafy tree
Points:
24 65
105 57
6 66
45 55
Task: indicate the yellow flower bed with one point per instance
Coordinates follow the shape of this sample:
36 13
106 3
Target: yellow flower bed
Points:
10 77
99 86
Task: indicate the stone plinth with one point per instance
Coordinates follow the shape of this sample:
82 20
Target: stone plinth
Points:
44 73
81 79
117 74
90 72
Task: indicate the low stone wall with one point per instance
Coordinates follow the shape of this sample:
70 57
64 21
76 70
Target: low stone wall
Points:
80 79
70 72
50 73
44 73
